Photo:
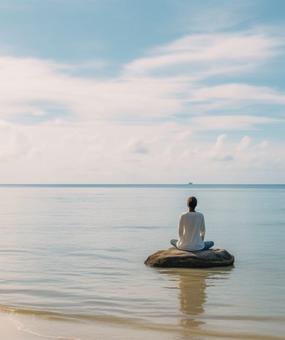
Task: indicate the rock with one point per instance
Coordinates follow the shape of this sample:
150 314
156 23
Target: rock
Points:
173 257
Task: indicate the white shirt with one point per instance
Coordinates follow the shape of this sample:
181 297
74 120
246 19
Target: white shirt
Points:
191 231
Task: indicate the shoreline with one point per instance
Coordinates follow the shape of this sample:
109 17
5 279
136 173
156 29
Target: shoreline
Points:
17 326
31 327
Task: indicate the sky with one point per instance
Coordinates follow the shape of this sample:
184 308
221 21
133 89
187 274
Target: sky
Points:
129 91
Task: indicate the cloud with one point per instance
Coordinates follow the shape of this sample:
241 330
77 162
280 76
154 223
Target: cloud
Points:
14 143
158 120
222 50
219 151
104 152
234 96
32 87
231 122
245 144
28 85
138 147
246 154
220 17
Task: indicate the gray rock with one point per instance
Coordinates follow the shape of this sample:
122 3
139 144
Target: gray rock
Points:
173 257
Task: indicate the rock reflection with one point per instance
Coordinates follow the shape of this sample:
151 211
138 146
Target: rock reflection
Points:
192 293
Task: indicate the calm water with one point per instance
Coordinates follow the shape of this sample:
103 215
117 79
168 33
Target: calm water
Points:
78 252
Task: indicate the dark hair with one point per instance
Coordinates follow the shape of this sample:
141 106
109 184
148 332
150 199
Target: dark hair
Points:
192 202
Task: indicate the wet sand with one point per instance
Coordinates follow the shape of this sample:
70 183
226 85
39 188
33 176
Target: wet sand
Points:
17 326
27 327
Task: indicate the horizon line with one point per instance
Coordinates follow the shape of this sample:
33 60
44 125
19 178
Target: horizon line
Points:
130 184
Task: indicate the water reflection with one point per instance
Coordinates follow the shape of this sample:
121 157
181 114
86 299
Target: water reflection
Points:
192 293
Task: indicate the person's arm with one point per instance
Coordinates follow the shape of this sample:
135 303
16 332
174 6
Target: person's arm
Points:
203 229
181 228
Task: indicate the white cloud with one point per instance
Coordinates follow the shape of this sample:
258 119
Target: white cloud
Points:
13 142
104 152
221 50
138 147
28 85
245 144
127 128
219 151
233 94
231 122
222 16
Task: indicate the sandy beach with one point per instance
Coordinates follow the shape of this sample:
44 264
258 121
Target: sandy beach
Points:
29 326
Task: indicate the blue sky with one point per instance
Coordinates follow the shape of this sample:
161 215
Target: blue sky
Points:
142 91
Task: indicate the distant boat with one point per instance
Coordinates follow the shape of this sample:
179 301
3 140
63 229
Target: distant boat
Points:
190 183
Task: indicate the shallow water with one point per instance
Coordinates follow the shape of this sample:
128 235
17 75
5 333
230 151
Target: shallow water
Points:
76 253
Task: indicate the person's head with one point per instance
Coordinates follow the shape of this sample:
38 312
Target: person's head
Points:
192 203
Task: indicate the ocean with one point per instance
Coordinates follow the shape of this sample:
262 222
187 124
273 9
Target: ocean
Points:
72 263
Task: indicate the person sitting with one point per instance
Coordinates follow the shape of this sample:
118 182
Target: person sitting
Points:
192 230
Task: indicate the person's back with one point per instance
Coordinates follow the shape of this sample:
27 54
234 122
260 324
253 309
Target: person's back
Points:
191 231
